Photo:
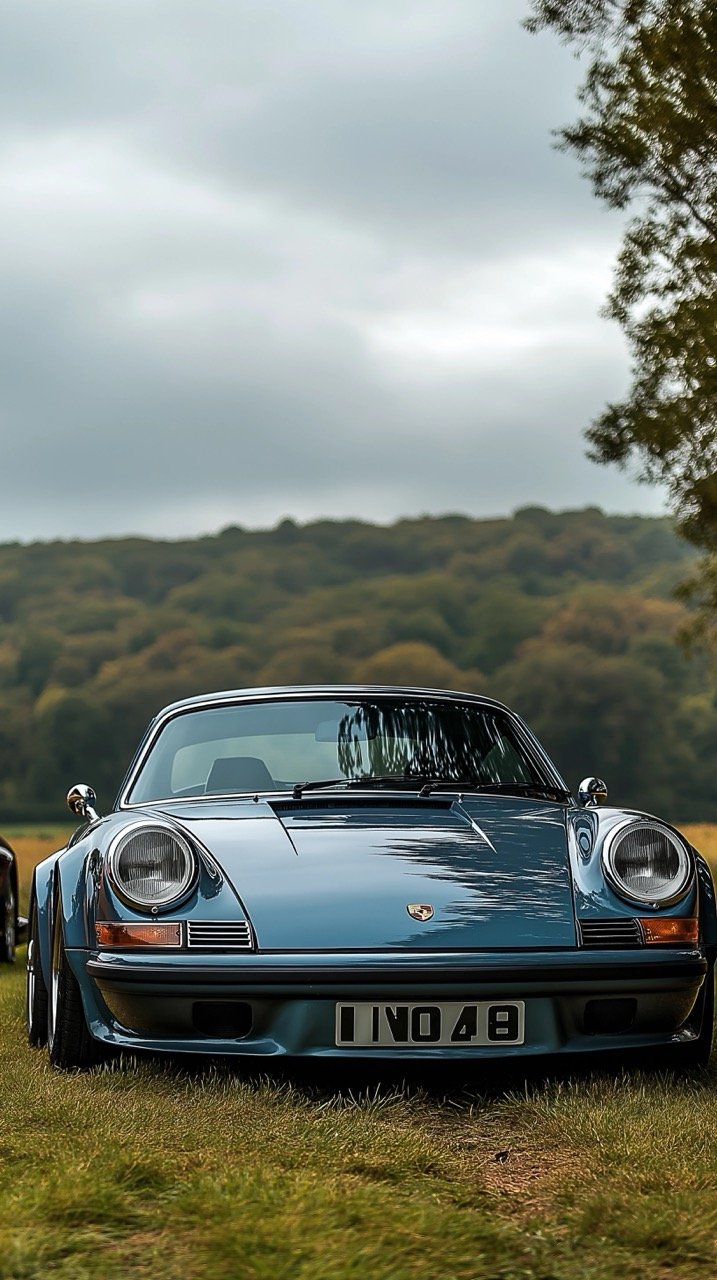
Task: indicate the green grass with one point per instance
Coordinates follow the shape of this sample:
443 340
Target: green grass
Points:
140 1170
144 1170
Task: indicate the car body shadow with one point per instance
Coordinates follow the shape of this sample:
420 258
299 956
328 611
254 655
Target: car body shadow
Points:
358 1080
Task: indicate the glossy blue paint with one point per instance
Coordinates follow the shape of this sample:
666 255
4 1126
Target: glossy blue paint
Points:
496 873
41 895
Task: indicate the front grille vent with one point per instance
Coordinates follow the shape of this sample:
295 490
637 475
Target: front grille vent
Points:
349 800
219 935
612 934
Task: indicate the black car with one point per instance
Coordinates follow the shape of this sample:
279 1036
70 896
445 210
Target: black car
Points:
13 927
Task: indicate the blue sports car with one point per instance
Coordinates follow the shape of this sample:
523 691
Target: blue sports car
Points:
369 873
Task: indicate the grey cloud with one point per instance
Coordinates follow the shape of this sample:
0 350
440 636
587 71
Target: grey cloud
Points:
110 447
449 151
433 128
303 256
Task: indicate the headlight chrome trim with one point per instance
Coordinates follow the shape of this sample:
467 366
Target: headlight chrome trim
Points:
185 886
615 881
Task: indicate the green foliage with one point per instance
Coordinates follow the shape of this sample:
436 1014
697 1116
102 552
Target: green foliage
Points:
412 663
647 139
613 710
567 616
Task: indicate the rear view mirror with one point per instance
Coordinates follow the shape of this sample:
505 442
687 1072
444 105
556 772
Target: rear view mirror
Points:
81 801
592 792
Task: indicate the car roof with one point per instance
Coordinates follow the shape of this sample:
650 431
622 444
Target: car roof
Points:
271 692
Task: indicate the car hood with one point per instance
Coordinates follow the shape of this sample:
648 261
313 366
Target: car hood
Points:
339 873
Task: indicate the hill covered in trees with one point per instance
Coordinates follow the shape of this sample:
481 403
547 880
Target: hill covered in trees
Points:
568 617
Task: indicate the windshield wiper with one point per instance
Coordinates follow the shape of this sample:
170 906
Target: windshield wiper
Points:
539 790
300 787
367 780
425 784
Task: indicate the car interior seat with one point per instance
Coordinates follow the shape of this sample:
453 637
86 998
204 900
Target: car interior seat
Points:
239 773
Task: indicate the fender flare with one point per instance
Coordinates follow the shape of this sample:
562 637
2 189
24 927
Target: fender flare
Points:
708 905
62 876
41 901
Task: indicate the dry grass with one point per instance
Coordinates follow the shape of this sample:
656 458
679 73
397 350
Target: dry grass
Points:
139 1170
31 845
703 837
221 1174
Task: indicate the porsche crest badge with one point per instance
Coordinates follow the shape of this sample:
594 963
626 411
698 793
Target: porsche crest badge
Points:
420 910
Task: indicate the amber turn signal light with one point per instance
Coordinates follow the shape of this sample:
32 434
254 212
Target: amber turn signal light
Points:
163 933
670 929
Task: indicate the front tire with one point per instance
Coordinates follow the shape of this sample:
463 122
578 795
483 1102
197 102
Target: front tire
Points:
702 1046
70 1045
8 924
695 1055
36 1003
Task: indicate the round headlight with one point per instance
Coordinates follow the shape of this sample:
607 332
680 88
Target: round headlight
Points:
152 866
647 862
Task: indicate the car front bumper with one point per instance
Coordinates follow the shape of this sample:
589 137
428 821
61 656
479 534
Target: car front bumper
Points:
268 1005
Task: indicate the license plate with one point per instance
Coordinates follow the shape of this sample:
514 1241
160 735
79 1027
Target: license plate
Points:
444 1025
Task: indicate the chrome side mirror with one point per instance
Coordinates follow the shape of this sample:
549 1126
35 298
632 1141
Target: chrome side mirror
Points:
81 801
592 792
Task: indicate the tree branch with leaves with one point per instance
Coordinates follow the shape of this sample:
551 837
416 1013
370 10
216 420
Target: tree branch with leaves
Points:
647 140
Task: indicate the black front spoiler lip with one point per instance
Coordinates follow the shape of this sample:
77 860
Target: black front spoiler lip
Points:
623 970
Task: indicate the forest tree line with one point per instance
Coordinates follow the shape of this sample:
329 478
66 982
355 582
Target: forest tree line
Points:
571 618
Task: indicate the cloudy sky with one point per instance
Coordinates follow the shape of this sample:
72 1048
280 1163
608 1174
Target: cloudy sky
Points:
304 257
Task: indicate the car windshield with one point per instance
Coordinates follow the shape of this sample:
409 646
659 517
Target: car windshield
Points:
276 745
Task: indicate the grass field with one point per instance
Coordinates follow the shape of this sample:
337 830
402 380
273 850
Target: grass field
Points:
140 1170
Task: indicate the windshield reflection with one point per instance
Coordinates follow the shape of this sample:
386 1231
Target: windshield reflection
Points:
273 746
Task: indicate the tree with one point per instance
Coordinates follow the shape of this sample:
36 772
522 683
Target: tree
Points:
606 715
647 138
413 663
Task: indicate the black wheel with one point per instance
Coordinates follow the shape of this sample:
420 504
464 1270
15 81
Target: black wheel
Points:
8 923
36 991
69 1042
